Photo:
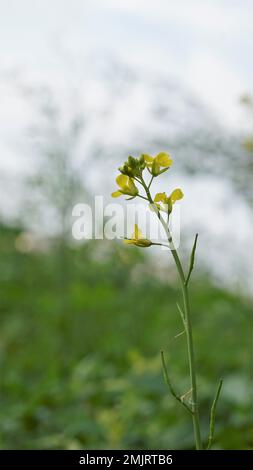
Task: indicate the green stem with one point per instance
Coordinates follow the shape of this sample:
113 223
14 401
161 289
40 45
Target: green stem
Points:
212 415
188 327
171 388
191 356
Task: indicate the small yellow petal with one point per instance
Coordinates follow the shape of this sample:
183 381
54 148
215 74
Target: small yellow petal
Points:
164 159
137 232
131 185
176 195
116 194
122 181
148 158
129 242
160 197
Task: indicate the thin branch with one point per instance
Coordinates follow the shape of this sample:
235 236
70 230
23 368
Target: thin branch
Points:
150 181
168 218
181 314
186 394
165 169
136 179
142 197
213 414
179 334
192 259
161 244
170 386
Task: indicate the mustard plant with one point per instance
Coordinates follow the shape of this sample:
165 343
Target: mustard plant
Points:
132 182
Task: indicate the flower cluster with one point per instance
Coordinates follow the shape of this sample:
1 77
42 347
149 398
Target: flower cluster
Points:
133 166
132 173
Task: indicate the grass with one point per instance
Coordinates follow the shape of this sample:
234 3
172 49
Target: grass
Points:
80 352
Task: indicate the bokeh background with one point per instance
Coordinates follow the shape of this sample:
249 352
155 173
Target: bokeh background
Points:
82 85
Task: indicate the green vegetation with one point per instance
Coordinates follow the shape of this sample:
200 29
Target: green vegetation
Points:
81 333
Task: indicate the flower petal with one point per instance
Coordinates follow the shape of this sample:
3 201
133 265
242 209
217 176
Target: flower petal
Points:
122 181
160 197
131 185
164 159
116 194
137 232
148 158
176 195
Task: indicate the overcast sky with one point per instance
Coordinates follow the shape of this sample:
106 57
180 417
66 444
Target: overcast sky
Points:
206 44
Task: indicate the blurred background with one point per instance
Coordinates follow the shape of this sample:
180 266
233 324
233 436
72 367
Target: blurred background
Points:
82 86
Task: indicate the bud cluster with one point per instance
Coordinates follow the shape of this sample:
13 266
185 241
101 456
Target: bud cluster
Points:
133 166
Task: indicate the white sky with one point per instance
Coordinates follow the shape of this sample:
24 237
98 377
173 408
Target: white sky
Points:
205 46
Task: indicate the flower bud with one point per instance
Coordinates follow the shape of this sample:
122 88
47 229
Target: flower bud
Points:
126 170
142 163
155 169
132 161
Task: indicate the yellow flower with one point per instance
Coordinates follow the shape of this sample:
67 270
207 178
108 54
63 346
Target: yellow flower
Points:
176 195
137 239
126 185
154 164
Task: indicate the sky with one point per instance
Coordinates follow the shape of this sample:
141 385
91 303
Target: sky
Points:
206 45
203 46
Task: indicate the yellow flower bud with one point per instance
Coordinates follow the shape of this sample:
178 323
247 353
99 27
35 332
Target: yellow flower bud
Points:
137 239
126 185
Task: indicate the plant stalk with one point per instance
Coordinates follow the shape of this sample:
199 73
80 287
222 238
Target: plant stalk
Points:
191 356
188 327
